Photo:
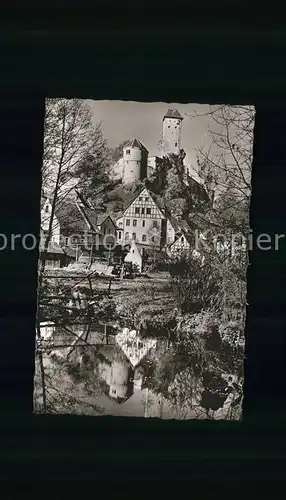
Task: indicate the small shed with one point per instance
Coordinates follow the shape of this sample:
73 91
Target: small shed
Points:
134 256
54 256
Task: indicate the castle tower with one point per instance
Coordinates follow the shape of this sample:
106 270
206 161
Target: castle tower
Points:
171 139
135 159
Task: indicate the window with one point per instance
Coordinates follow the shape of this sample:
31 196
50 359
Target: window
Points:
113 391
128 151
182 239
133 236
120 224
127 236
137 210
127 222
133 251
49 263
176 144
149 211
143 211
144 237
119 235
155 223
67 241
46 208
143 223
109 231
134 222
147 198
153 238
140 198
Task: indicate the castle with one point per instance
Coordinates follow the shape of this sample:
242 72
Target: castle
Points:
136 164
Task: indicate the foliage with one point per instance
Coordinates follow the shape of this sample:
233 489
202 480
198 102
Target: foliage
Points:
66 390
155 320
73 147
118 195
195 283
105 310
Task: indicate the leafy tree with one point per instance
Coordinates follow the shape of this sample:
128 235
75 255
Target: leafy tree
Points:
69 139
65 386
74 152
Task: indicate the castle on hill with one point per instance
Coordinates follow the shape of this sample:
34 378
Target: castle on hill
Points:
136 164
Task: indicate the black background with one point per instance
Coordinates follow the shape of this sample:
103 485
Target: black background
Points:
212 56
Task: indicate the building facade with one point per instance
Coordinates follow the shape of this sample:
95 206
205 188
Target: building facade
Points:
171 135
132 166
46 212
142 222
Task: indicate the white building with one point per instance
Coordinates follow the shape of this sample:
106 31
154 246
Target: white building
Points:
46 212
172 130
142 221
132 166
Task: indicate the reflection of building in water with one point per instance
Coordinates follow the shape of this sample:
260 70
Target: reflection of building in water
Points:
133 346
138 378
116 370
47 329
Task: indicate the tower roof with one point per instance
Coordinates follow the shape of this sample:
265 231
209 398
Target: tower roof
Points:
173 113
134 143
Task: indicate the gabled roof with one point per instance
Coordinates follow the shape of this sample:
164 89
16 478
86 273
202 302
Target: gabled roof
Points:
62 210
133 198
134 143
91 216
102 218
173 113
187 237
70 216
143 188
82 199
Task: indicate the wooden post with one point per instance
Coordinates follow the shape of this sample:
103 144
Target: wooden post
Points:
122 272
109 287
90 256
105 333
90 284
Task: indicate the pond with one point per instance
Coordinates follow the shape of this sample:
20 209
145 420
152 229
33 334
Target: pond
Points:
94 369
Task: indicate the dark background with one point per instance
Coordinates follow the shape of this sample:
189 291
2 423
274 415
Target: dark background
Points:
44 52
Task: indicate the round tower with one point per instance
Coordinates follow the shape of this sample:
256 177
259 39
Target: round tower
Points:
171 137
135 159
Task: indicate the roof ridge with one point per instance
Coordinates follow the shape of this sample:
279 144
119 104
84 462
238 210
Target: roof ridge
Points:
135 142
173 113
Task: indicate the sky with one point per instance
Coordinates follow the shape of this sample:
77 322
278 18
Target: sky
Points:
123 120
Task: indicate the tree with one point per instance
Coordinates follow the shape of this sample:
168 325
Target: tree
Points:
69 140
226 165
75 152
69 387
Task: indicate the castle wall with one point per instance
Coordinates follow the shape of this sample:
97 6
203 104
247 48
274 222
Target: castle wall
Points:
132 158
171 136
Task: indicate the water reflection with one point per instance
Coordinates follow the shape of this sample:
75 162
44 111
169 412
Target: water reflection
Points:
120 361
